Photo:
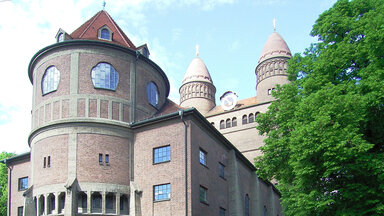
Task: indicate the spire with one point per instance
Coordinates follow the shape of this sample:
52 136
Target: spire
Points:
197 50
274 24
104 3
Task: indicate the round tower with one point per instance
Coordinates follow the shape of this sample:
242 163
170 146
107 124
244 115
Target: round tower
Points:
197 89
87 89
272 67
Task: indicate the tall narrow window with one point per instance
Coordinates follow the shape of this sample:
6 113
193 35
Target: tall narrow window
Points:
161 154
246 205
96 202
222 212
234 122
203 194
110 205
50 80
221 170
228 123
104 76
49 161
20 211
162 192
107 158
45 162
100 158
222 124
61 202
203 157
245 119
251 119
152 94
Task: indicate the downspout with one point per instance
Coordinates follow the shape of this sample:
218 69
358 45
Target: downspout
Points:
9 186
181 114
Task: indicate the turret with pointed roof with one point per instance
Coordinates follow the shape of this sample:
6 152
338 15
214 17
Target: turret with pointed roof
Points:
197 89
272 67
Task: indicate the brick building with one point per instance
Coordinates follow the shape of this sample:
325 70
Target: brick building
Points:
106 140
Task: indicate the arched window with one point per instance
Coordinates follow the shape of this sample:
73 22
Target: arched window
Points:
51 203
152 94
105 76
246 205
61 202
245 119
96 202
81 202
124 205
222 125
251 119
256 114
60 38
228 123
234 122
110 205
105 34
50 80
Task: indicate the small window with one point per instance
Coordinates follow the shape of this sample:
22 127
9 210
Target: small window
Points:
222 212
269 91
50 80
228 123
100 158
45 162
246 205
251 119
203 194
107 158
265 211
222 170
245 119
23 183
152 94
104 34
49 161
162 192
105 76
161 154
203 157
213 124
60 38
222 124
234 122
20 211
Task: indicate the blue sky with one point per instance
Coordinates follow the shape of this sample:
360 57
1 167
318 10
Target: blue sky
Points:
230 33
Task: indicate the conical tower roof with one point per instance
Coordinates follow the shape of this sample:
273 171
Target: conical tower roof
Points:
275 47
197 71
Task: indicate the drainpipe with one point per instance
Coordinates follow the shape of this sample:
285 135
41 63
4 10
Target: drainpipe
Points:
9 186
181 114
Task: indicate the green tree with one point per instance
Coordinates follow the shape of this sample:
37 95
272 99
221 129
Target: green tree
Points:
3 183
325 132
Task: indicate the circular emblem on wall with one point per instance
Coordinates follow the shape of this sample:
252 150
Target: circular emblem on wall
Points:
228 100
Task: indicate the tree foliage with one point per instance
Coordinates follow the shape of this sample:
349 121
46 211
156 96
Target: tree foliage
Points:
4 183
325 132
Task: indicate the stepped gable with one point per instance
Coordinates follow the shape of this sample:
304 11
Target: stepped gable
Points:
89 30
275 47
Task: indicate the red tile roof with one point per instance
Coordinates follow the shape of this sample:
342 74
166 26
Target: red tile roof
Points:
89 30
240 104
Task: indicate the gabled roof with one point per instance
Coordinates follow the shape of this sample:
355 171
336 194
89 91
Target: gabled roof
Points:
89 30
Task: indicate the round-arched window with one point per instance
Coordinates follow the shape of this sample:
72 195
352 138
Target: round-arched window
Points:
105 76
104 34
152 94
50 80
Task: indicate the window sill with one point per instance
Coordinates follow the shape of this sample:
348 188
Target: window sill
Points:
204 165
163 200
204 202
162 162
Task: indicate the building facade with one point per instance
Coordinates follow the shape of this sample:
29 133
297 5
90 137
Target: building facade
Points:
106 140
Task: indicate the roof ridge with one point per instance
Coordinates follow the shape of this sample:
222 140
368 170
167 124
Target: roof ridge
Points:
89 25
120 31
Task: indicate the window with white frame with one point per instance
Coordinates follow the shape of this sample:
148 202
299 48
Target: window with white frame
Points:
50 80
203 157
104 76
161 154
162 192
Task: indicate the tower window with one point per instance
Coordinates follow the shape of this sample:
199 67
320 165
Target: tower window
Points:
49 161
203 194
246 205
251 118
107 159
100 158
60 38
228 123
221 170
203 157
50 80
105 76
222 125
245 119
234 122
152 94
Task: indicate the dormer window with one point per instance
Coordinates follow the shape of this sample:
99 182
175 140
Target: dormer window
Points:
105 33
61 37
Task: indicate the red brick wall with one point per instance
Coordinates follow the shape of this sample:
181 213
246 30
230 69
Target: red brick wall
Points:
57 148
89 146
19 170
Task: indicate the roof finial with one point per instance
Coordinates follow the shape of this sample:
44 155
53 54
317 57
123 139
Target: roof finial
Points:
197 49
274 24
104 3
